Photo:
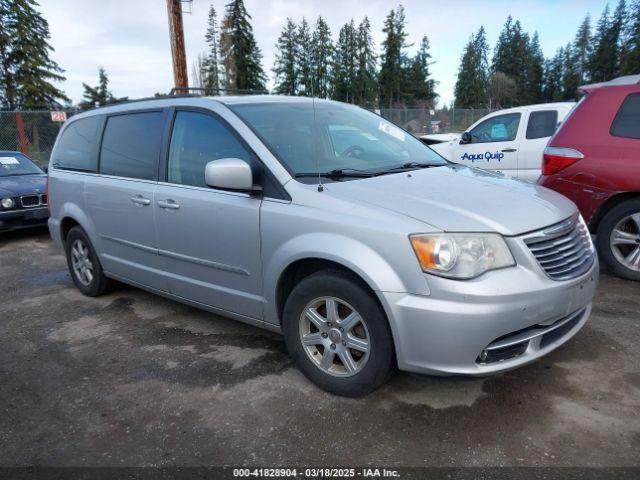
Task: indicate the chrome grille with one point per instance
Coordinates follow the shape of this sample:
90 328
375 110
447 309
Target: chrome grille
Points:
564 250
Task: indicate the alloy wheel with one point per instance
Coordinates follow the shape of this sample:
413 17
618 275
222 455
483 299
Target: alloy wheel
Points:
81 262
335 336
625 241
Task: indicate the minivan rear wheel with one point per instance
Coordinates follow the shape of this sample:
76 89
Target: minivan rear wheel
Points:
618 240
337 334
84 266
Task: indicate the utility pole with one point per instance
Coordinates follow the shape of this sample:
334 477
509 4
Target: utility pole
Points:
176 34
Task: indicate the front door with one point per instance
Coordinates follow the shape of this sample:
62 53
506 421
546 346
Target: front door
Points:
209 239
493 145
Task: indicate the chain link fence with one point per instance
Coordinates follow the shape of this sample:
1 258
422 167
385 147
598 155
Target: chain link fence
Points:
30 132
34 132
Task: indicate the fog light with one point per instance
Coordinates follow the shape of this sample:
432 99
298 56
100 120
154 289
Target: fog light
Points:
7 203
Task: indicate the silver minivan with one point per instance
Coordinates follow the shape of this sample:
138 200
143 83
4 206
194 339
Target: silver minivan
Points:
322 221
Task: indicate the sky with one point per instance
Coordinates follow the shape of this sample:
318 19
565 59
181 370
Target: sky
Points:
129 38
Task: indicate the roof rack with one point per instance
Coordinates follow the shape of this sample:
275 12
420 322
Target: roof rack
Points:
216 91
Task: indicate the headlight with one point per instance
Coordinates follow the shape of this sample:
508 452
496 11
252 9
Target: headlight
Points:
461 255
7 202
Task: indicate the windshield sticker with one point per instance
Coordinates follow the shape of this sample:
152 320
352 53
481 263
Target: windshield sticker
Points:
9 161
391 130
487 156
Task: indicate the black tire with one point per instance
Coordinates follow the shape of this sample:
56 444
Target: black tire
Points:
605 229
100 284
348 288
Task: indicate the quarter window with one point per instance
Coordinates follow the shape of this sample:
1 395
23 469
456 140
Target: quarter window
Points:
75 148
502 128
196 140
131 145
542 124
627 121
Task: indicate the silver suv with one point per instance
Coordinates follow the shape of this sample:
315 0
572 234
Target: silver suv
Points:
322 221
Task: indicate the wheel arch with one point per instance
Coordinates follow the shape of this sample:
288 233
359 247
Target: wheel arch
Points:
607 206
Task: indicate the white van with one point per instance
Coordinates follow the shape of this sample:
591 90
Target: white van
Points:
508 141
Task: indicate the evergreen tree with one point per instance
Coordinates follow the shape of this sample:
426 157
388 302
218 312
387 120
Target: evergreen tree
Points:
513 58
420 89
393 58
553 77
534 79
98 96
471 85
569 78
198 71
322 50
366 87
26 69
285 68
345 62
581 51
239 52
604 61
630 51
303 59
210 69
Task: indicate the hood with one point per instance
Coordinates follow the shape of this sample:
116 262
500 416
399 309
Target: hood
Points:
459 199
19 185
441 137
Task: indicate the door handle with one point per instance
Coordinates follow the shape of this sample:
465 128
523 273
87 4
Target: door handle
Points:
140 201
509 150
168 204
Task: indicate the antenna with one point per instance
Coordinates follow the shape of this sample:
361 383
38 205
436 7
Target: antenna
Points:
315 140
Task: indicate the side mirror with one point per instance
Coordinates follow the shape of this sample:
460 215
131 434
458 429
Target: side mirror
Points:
45 168
465 138
230 174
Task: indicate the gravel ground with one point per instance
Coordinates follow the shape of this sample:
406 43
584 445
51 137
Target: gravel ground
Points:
134 379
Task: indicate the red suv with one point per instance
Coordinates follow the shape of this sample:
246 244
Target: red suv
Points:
594 159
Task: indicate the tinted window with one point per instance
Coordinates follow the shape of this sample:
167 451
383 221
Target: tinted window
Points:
196 140
131 145
627 121
75 148
502 128
542 124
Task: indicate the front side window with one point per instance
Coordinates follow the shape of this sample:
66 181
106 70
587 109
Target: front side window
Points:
196 140
502 128
323 137
542 124
75 148
131 145
14 164
627 121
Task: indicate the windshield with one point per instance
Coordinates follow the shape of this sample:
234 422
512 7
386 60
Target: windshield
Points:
337 137
17 164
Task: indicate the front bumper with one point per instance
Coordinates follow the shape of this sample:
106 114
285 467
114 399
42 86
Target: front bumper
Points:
510 317
23 218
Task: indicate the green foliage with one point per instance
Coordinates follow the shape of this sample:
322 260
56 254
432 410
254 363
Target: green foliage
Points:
239 52
286 63
322 51
345 64
630 48
99 95
366 84
418 87
210 66
471 86
303 59
393 58
27 73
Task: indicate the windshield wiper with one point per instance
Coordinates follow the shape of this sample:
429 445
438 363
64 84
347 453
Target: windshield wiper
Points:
338 173
409 166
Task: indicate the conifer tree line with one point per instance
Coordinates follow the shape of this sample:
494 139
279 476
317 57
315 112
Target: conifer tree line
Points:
519 74
310 62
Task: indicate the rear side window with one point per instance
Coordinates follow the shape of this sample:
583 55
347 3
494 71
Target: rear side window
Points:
131 145
502 128
76 147
198 139
542 124
627 121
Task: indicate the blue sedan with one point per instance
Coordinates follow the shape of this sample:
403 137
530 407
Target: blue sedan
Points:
23 198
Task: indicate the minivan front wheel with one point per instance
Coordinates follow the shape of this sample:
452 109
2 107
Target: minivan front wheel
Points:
337 334
84 266
618 239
